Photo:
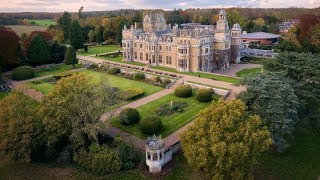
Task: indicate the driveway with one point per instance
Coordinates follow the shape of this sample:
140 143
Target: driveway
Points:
234 68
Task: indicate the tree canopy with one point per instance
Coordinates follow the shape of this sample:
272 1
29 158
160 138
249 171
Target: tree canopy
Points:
71 56
224 141
75 35
38 51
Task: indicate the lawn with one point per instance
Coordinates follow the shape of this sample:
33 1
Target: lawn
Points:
3 94
247 72
55 69
43 87
44 22
300 161
92 50
119 59
171 123
19 29
203 75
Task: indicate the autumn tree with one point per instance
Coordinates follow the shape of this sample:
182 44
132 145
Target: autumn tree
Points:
71 56
225 141
75 35
38 51
64 23
10 49
19 127
175 17
45 35
91 36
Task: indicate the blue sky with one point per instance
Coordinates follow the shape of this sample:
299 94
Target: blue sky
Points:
95 5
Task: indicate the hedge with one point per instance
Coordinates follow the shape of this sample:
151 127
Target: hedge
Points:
129 116
204 95
139 76
22 73
114 71
131 94
151 124
183 91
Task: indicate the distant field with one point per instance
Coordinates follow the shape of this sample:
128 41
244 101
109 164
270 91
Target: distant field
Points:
19 29
44 22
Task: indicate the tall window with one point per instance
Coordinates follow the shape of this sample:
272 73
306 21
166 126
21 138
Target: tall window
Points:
160 58
124 44
141 56
182 63
153 58
160 48
140 45
135 44
147 57
135 55
125 55
169 60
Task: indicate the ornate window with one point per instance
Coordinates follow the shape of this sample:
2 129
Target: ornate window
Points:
182 63
135 55
169 60
124 45
125 55
140 45
160 58
141 56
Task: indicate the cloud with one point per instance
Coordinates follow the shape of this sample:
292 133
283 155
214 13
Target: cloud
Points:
96 5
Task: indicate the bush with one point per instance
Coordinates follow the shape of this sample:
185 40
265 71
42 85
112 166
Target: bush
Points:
151 125
36 82
114 70
85 47
22 73
129 116
204 95
61 75
158 79
139 76
169 109
183 91
167 81
131 94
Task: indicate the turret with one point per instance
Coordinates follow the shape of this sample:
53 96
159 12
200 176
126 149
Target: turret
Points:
235 43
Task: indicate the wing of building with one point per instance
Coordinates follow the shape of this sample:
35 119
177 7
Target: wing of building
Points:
192 47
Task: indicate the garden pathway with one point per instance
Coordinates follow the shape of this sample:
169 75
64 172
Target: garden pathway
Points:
234 68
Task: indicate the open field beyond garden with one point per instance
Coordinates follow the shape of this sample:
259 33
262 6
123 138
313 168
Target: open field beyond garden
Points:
19 29
44 22
171 123
203 75
247 72
92 50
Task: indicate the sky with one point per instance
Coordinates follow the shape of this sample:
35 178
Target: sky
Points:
97 5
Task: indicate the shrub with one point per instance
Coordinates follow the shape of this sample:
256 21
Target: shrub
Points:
131 94
22 73
61 75
36 82
183 91
85 47
204 95
139 76
114 70
169 109
129 116
167 81
158 79
151 125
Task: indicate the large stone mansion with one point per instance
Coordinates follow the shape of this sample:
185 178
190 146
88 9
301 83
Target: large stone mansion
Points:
193 47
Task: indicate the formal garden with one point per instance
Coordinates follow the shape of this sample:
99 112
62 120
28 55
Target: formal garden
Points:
93 50
169 113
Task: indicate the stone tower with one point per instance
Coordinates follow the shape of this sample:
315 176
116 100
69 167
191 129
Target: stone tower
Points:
154 22
154 153
235 43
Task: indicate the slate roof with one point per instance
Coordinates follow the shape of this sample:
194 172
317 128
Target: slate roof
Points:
259 35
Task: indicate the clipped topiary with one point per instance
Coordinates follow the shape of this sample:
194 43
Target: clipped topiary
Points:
204 95
139 76
183 91
129 116
151 124
22 73
114 70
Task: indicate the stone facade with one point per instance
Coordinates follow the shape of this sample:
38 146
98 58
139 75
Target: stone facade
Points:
193 47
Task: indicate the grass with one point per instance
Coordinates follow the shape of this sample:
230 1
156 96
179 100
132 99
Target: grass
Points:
300 161
208 85
3 94
43 87
119 59
44 22
19 29
203 75
256 60
92 50
55 69
247 72
171 123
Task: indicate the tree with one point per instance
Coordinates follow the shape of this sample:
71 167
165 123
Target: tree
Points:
235 17
38 51
225 141
106 34
75 35
175 17
19 127
119 30
57 34
106 23
80 13
97 31
91 35
71 56
33 34
273 98
64 23
23 37
72 111
10 56
57 52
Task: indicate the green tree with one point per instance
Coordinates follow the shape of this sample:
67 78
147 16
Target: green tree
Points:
64 23
19 127
119 30
71 56
175 17
274 99
91 35
80 13
99 39
75 35
23 36
106 34
235 17
38 51
225 141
